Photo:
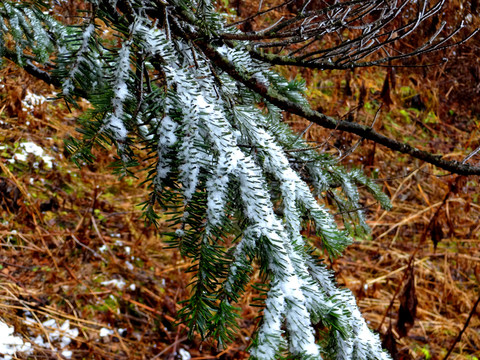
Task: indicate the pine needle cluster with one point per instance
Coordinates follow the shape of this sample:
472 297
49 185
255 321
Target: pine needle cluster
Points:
240 184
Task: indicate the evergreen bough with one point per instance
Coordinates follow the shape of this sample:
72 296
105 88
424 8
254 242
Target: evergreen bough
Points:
241 185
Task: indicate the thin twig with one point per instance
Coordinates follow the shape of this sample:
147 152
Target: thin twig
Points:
463 330
258 14
354 147
169 347
17 266
94 223
355 210
303 149
472 154
96 254
302 133
404 277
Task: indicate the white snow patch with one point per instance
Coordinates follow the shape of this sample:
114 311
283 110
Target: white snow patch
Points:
67 354
32 100
10 344
184 354
59 336
120 284
116 125
39 341
29 147
106 332
179 233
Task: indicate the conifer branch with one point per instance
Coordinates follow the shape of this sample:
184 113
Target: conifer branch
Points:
328 122
30 68
39 73
240 183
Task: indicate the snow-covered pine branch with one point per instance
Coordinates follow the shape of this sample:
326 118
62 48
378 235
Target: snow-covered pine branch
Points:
222 159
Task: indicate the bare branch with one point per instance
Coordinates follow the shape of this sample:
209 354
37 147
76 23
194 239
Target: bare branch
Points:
331 123
359 32
357 144
274 59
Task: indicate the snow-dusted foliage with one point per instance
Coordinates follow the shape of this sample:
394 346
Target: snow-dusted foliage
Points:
241 184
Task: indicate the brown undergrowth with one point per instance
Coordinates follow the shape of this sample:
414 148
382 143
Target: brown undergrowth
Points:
66 233
432 234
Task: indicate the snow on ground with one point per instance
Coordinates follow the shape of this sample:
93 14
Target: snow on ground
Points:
32 100
60 336
184 354
120 284
24 149
10 344
106 332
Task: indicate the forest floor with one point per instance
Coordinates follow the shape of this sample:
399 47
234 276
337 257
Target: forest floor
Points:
82 276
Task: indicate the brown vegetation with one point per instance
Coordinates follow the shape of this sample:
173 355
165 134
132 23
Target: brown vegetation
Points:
64 231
